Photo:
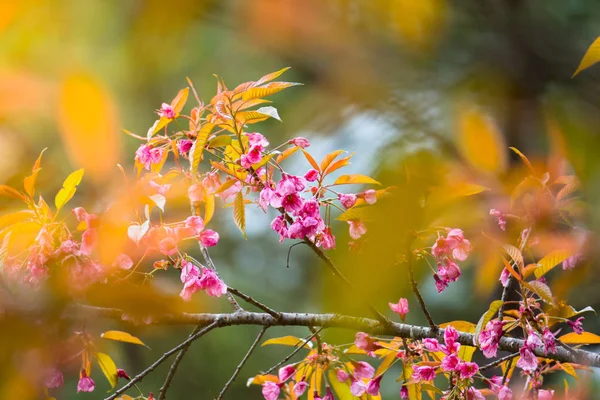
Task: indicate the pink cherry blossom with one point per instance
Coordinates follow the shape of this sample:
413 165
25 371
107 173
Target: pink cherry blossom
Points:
404 392
209 238
489 338
370 196
373 386
571 262
184 146
264 200
577 325
363 370
342 375
210 282
504 277
149 156
365 342
423 373
326 240
196 193
300 388
347 200
500 218
401 308
195 224
256 139
462 247
312 175
253 156
122 374
86 384
431 344
474 394
544 394
54 378
357 228
450 362
442 247
549 341
89 239
123 261
228 194
167 111
300 142
286 372
466 370
279 225
328 394
358 387
211 182
270 390
527 360
505 393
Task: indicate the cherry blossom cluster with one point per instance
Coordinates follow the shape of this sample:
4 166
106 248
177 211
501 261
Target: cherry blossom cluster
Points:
447 251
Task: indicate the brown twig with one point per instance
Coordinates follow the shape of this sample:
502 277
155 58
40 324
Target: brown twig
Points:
241 364
254 302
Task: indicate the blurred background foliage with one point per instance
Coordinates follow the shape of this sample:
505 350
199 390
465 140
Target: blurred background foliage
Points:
429 93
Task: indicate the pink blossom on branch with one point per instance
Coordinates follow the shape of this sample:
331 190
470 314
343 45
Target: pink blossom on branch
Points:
400 308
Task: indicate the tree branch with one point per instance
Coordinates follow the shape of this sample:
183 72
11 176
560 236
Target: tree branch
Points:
241 364
254 302
417 293
341 321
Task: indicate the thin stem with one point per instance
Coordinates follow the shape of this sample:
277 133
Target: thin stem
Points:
255 302
498 361
506 290
241 364
417 293
162 358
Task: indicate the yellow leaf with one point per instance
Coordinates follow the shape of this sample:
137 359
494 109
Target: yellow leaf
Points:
542 290
69 188
10 192
414 390
591 57
266 90
584 338
480 141
209 208
287 341
550 261
180 100
89 125
260 379
387 361
328 159
122 337
463 326
108 368
29 182
569 369
239 213
525 159
515 255
342 390
196 152
487 317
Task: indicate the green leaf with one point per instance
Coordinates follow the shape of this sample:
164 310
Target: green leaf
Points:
122 337
487 317
108 368
239 213
550 261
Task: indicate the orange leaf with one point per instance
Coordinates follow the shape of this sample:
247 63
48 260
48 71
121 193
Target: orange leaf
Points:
10 192
338 164
584 338
286 153
122 337
355 179
287 341
328 159
311 160
180 100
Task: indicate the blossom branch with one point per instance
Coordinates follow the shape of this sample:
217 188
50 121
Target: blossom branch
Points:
367 325
241 364
417 293
254 302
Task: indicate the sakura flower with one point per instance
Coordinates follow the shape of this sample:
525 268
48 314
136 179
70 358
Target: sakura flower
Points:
85 384
264 200
450 362
577 325
489 338
148 155
466 370
195 224
300 142
166 110
211 182
286 372
209 238
228 194
279 225
326 239
189 277
431 344
549 341
347 200
363 370
123 261
89 239
527 360
290 184
300 388
342 375
364 342
500 218
311 175
196 193
270 390
442 247
328 394
373 386
357 228
256 139
158 188
184 146
504 277
253 156
168 245
404 392
505 393
450 340
474 394
401 308
440 284
54 379
423 373
122 374
571 262
358 387
462 247
210 282
544 394
370 196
